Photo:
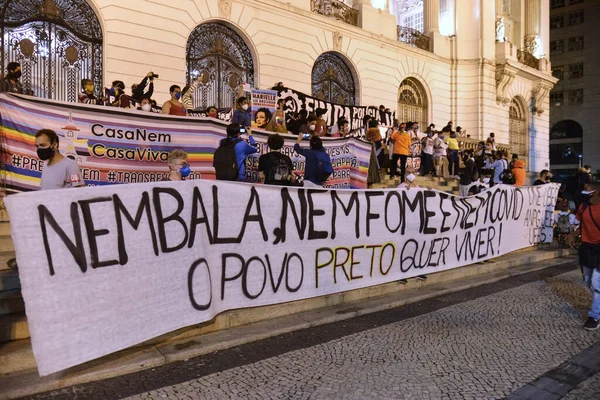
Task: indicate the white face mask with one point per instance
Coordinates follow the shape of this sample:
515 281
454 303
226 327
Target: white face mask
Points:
486 180
245 107
411 177
146 107
312 127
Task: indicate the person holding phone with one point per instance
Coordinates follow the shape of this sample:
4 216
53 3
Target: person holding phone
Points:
308 129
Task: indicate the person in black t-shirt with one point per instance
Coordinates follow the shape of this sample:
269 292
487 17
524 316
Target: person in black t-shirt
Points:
543 179
275 168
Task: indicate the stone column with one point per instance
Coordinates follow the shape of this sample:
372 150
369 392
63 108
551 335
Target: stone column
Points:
532 25
431 16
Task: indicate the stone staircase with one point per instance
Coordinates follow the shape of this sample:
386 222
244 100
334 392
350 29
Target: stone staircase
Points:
13 323
441 184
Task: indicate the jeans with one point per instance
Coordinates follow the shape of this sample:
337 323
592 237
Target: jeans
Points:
426 163
453 158
591 276
394 167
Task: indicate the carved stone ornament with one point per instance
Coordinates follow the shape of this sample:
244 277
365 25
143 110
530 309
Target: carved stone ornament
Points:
225 8
500 30
539 93
337 41
532 45
505 75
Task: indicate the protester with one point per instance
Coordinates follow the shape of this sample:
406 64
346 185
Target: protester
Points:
317 168
440 153
491 141
519 173
514 158
300 122
343 128
277 123
449 126
309 127
401 142
212 112
430 129
321 128
59 171
427 154
145 105
495 162
116 95
187 94
87 95
374 136
262 117
460 132
469 174
588 214
278 86
544 178
179 169
453 149
242 115
11 83
174 106
480 156
137 90
275 168
565 223
365 127
281 104
230 158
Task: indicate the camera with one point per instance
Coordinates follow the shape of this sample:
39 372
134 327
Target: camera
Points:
154 76
306 135
242 130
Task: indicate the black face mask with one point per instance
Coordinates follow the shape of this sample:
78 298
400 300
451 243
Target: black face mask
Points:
16 74
45 154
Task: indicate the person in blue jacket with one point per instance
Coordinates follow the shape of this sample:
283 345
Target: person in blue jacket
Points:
242 115
242 148
317 168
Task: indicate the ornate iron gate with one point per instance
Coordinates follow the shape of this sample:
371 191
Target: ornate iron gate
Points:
332 80
221 61
412 102
57 43
518 128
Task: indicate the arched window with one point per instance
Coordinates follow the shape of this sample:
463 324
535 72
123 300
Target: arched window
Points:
332 80
412 102
222 61
57 43
518 128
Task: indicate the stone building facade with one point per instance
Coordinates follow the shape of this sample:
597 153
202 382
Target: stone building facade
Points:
480 63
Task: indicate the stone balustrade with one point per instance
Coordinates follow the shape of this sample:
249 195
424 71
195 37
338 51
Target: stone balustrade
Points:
335 9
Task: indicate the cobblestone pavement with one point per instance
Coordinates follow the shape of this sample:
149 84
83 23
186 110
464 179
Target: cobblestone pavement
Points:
589 389
481 349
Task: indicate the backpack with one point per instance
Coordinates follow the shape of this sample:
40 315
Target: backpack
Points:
225 162
280 169
563 224
507 177
324 168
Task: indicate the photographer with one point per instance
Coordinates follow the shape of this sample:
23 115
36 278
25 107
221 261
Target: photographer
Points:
230 158
138 90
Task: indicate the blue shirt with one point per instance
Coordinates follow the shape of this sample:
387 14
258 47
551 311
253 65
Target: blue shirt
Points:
499 166
242 118
310 168
242 149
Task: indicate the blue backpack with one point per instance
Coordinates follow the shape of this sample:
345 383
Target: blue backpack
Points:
324 167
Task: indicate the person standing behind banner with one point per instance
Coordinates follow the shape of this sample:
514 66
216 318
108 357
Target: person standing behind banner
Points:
469 174
11 82
308 129
179 168
137 90
242 115
518 172
275 168
374 136
277 123
427 154
59 171
321 125
318 166
440 154
233 149
174 106
87 95
588 215
116 95
453 149
402 142
145 105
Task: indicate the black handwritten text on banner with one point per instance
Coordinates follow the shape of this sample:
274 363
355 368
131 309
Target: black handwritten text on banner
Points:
105 268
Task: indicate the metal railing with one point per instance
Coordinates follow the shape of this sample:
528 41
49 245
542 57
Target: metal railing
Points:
413 37
528 59
335 9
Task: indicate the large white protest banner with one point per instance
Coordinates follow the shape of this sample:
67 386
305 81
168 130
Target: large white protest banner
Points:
105 268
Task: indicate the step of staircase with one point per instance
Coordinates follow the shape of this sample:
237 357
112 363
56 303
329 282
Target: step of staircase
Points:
4 229
9 280
8 260
13 327
11 301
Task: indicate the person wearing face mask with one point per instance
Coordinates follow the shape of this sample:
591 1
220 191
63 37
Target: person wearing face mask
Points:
145 104
87 95
174 106
11 82
309 127
59 171
116 95
179 168
277 123
242 116
137 90
409 182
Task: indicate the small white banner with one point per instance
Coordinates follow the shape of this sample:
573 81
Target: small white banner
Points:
105 268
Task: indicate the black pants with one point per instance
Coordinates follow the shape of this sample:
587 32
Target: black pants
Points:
394 168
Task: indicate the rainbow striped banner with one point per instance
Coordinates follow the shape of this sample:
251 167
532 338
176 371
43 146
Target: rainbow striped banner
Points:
113 145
